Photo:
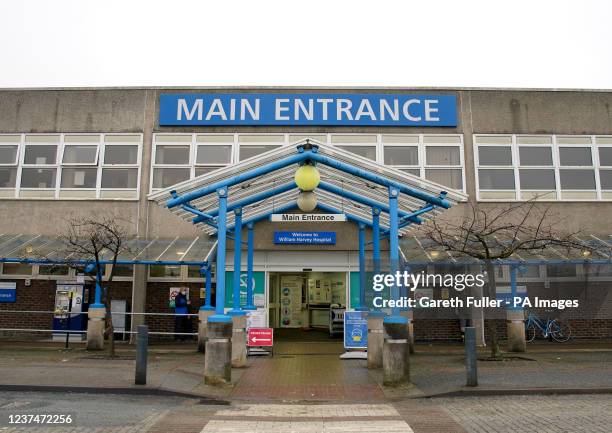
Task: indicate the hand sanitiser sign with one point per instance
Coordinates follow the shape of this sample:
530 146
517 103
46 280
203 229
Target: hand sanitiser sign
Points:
218 109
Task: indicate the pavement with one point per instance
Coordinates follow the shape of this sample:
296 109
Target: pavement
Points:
306 372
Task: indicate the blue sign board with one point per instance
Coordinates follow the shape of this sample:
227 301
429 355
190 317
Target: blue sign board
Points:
306 109
305 238
356 330
8 292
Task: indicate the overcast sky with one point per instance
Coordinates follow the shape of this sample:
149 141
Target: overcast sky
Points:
536 43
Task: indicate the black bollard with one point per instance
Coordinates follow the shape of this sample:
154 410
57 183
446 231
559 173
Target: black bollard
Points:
142 343
470 356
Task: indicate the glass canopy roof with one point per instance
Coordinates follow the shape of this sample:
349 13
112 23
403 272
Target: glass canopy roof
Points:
598 249
41 249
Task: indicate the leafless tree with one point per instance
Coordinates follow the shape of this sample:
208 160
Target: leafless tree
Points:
97 240
490 234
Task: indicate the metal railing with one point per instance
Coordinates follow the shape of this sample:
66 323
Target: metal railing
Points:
114 313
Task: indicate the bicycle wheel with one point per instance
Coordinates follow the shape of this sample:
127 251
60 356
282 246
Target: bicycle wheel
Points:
560 332
530 333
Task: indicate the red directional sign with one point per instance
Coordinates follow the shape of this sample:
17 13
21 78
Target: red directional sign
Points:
260 337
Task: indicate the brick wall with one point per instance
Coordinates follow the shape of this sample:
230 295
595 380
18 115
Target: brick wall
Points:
40 296
158 302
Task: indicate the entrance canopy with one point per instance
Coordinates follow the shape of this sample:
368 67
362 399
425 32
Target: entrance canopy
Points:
350 184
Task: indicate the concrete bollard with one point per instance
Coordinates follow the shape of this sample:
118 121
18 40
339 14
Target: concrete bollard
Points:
375 340
203 316
239 341
515 322
409 315
218 353
470 356
95 328
142 348
396 361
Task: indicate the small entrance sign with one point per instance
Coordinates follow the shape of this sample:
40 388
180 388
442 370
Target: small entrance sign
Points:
259 337
307 217
8 291
355 330
305 238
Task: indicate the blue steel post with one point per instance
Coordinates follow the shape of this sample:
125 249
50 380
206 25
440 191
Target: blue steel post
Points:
250 305
376 239
98 294
362 270
220 315
208 276
394 253
236 310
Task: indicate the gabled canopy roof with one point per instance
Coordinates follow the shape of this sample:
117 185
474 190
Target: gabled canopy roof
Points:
329 198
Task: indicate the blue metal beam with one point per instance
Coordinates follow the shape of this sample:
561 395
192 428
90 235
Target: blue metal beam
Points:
362 270
349 216
365 201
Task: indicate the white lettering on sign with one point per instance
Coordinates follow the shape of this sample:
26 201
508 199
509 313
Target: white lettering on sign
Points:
224 109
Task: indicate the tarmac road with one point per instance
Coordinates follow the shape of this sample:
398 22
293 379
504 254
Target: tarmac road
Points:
102 413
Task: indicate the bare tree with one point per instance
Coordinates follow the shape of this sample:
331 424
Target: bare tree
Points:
97 240
499 233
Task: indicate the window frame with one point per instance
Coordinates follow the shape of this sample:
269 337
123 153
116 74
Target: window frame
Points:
521 194
57 192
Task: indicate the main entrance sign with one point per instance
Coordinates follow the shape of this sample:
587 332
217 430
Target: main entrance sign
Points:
280 109
307 217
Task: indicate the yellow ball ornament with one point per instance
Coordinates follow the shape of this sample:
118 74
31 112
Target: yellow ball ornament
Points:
307 177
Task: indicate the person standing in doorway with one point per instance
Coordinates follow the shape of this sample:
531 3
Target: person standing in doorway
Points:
181 321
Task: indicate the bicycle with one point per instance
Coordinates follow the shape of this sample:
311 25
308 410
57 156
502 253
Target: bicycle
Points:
558 331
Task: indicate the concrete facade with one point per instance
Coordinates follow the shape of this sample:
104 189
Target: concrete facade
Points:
136 110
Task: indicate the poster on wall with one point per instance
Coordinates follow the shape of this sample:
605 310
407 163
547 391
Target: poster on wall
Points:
291 301
259 288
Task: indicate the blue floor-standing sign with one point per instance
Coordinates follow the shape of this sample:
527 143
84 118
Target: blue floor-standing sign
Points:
355 330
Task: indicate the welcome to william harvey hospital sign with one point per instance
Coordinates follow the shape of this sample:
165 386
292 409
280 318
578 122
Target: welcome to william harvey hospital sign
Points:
219 109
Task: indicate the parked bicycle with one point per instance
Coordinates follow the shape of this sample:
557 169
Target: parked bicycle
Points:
558 331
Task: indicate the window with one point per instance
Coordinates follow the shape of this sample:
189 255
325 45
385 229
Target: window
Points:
162 271
171 160
9 154
546 167
253 145
79 177
38 177
362 145
213 152
53 270
68 165
120 168
560 271
435 157
496 177
16 269
122 270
